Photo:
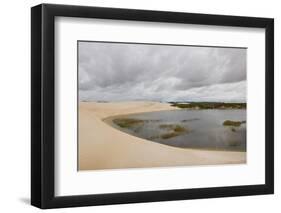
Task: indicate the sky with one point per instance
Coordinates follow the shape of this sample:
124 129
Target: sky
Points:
130 72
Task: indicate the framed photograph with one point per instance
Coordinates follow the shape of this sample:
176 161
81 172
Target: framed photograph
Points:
139 106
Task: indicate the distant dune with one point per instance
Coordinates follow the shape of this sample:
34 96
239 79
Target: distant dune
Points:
104 147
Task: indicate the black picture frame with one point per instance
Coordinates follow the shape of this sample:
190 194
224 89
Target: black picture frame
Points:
43 102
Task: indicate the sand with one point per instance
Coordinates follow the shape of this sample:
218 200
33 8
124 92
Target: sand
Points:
101 146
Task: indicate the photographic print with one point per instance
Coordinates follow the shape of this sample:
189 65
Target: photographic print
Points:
159 105
118 117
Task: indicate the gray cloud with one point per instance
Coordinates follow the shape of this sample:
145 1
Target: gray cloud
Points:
116 72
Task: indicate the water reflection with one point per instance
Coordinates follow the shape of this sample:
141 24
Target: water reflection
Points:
201 129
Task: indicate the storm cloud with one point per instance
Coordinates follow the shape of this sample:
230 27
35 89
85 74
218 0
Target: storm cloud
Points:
123 72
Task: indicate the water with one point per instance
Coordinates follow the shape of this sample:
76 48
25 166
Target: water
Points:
200 129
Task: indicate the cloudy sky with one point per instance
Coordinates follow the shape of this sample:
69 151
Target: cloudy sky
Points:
122 72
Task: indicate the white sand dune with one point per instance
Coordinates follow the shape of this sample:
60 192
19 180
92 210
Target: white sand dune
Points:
104 147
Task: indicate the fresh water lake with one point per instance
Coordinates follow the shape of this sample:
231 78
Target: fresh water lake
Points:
188 128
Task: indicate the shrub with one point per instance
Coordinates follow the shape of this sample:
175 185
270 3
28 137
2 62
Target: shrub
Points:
232 123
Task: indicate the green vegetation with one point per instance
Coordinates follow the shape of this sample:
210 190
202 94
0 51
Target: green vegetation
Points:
174 130
209 105
173 127
233 123
179 129
127 122
170 130
169 135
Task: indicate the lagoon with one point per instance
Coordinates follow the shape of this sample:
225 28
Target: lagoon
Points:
187 128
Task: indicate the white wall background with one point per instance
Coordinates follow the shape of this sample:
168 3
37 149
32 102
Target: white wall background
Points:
15 106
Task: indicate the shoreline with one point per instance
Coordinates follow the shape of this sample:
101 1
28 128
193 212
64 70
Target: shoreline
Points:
102 146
